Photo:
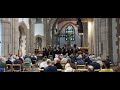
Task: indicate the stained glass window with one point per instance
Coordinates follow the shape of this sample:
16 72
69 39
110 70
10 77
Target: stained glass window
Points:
70 33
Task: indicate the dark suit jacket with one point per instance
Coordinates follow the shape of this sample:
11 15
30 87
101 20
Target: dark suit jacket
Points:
95 65
8 62
17 62
50 69
58 65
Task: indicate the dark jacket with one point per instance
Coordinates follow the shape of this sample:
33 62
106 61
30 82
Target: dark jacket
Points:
50 69
33 59
8 62
58 65
73 65
95 65
17 62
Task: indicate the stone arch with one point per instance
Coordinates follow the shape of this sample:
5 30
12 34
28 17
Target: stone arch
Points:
67 24
38 42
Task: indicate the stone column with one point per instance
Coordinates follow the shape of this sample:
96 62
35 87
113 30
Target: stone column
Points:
96 36
85 35
45 28
32 31
16 36
0 37
5 37
95 28
110 46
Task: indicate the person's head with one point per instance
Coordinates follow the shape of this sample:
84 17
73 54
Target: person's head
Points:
52 63
48 62
44 59
90 68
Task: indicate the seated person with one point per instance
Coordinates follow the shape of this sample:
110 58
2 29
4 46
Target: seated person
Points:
43 64
8 62
106 66
95 65
33 59
88 60
71 64
90 68
51 67
68 68
27 59
21 59
17 61
58 64
2 64
80 61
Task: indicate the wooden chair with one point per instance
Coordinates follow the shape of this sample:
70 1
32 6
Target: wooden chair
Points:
82 70
97 70
16 65
59 70
80 66
8 66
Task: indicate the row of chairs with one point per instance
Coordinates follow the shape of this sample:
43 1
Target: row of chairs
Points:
22 67
79 67
74 70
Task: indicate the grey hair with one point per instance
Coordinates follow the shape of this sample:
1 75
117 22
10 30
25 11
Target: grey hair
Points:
48 61
90 68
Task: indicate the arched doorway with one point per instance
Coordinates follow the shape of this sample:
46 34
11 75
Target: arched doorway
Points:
22 38
38 42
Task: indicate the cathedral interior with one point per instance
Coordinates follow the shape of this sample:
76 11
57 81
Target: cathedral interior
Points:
23 35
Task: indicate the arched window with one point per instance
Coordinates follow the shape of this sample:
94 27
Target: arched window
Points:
70 33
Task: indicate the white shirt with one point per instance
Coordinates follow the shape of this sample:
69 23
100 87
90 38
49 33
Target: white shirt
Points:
43 64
